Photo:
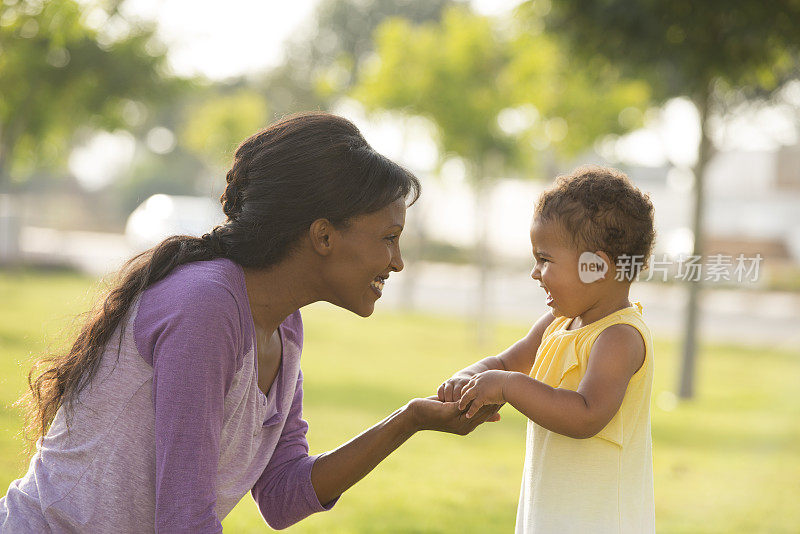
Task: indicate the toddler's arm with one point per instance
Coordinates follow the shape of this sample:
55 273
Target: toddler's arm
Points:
615 357
518 357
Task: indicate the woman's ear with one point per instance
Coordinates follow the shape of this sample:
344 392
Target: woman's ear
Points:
320 233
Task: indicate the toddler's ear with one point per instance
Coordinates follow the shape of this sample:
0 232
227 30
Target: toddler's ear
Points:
593 266
609 272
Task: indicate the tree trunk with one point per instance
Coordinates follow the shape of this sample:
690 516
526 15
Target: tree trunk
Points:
483 261
687 376
4 166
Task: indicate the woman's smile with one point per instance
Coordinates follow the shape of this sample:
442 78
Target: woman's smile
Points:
377 285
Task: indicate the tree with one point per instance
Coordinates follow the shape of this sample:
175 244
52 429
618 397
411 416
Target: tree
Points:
704 51
323 65
57 74
497 100
215 126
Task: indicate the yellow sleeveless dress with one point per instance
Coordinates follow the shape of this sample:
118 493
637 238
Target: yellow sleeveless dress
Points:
603 484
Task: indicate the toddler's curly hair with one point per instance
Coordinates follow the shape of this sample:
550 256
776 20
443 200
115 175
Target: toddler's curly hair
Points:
599 208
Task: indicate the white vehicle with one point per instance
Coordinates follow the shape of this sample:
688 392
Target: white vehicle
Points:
161 216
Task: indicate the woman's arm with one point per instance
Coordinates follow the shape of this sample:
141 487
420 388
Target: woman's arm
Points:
295 485
189 336
284 493
337 470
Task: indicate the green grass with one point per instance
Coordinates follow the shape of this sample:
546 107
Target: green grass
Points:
728 461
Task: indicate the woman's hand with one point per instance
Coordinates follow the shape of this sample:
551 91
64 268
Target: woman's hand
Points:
337 470
432 414
484 388
450 390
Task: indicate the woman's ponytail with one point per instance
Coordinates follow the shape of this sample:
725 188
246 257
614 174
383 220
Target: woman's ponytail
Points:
56 380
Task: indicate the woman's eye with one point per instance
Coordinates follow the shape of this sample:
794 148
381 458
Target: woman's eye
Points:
392 238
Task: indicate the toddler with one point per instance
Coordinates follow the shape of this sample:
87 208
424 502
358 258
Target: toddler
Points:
583 374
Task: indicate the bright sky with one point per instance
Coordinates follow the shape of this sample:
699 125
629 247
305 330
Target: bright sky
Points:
241 36
223 40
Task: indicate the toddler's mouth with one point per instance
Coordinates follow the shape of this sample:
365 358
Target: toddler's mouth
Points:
549 300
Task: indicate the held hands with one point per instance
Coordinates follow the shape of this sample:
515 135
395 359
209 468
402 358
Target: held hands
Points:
432 414
486 388
483 390
450 390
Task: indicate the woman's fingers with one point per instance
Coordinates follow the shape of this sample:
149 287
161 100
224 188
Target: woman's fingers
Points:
440 392
476 404
485 414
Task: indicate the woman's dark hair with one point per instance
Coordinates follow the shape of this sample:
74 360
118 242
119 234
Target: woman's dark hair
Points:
303 168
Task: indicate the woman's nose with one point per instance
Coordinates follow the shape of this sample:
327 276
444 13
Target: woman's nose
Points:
536 274
397 261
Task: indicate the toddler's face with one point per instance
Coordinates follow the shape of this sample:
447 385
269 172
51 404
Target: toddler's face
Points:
556 270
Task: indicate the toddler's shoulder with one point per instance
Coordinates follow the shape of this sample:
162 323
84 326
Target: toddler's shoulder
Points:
621 342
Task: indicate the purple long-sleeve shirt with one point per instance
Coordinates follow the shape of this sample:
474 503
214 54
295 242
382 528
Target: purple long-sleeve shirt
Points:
173 432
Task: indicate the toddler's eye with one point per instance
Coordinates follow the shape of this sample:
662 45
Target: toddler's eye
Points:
392 238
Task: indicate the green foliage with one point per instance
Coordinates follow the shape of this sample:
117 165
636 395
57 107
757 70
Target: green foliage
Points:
733 449
579 101
446 73
323 64
58 74
681 46
466 77
214 127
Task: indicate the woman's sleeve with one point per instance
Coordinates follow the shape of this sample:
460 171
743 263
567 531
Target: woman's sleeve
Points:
283 492
192 335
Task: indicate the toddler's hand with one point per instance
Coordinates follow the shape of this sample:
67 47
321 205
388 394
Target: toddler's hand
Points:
450 390
483 388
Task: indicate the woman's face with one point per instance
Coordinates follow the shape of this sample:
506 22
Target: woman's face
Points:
366 252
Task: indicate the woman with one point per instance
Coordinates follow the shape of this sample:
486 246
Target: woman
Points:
184 390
